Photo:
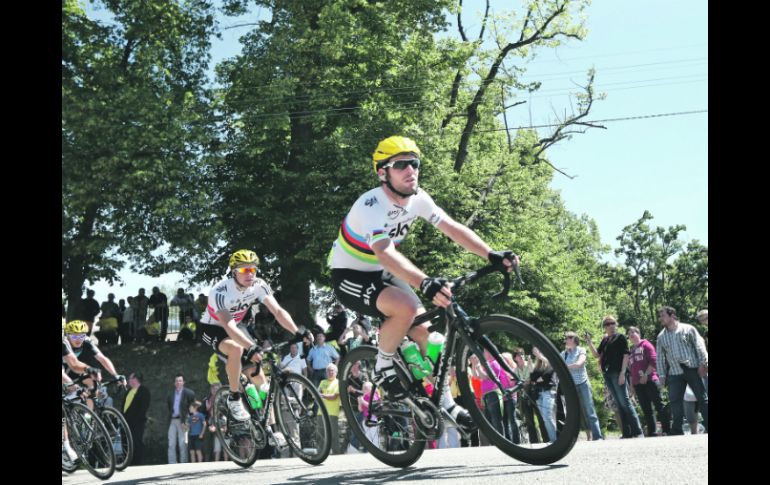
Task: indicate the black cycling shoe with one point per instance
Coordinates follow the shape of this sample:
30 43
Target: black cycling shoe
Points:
388 380
463 418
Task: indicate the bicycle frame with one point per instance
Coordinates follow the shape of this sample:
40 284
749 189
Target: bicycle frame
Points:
262 414
460 327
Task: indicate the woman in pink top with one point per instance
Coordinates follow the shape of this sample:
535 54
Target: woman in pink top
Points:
644 379
501 419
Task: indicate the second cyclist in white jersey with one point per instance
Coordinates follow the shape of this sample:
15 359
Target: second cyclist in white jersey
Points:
229 300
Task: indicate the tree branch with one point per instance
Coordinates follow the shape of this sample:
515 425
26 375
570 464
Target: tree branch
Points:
460 22
472 110
563 131
470 221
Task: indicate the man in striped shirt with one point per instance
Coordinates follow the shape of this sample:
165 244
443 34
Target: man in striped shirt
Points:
682 359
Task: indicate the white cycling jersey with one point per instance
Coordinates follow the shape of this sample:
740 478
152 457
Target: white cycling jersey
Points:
375 217
227 295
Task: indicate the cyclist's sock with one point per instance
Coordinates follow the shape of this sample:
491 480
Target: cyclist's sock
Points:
234 396
446 398
384 359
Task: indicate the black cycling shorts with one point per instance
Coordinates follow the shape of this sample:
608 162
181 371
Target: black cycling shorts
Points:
213 335
358 290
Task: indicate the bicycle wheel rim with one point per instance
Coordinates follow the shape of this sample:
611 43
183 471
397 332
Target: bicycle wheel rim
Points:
303 419
91 441
238 438
120 434
383 440
535 444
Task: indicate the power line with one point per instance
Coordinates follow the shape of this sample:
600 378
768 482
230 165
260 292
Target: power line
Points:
696 60
416 88
410 105
607 120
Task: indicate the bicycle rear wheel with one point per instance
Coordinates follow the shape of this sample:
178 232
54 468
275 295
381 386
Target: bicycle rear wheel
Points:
122 441
393 437
239 438
537 444
303 418
90 440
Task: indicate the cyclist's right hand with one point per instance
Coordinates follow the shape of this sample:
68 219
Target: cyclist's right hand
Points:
306 336
437 290
94 372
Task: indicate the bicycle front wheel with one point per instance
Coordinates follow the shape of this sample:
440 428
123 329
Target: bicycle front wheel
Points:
90 440
538 433
391 434
303 418
239 438
122 441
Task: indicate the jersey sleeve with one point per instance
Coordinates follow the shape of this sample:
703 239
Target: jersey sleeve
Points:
428 210
263 290
217 299
65 347
92 346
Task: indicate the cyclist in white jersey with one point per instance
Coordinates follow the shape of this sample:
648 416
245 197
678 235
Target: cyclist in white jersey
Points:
229 300
371 276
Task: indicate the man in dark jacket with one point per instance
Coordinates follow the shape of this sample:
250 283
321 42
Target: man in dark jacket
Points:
135 411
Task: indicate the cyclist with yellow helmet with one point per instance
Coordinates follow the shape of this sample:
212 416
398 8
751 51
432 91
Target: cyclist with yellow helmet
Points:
229 301
372 277
79 345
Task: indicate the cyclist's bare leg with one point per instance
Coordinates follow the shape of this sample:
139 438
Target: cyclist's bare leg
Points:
233 367
258 379
401 308
420 334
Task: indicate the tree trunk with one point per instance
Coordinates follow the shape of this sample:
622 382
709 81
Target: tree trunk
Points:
76 264
295 292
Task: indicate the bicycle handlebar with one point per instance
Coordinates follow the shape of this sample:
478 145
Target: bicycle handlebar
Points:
461 281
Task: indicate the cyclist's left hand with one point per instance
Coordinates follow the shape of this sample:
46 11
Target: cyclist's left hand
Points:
504 259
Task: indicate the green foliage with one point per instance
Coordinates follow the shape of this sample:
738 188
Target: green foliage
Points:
136 127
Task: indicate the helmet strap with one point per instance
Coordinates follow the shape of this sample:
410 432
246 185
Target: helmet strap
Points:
386 180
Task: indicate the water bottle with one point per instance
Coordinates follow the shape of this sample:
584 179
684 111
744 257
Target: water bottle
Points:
420 368
253 396
263 390
435 345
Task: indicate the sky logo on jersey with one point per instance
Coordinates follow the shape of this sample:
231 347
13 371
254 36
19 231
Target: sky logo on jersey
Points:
399 231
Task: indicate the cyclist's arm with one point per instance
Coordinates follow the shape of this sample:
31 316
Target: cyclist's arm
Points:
232 329
396 263
107 363
464 236
283 317
75 364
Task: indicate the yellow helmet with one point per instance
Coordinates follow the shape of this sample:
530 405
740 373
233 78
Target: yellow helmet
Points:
243 256
392 146
76 326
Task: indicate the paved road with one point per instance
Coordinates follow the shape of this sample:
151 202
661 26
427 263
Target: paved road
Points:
673 459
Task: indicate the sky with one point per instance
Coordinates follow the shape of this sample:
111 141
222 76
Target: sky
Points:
651 59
